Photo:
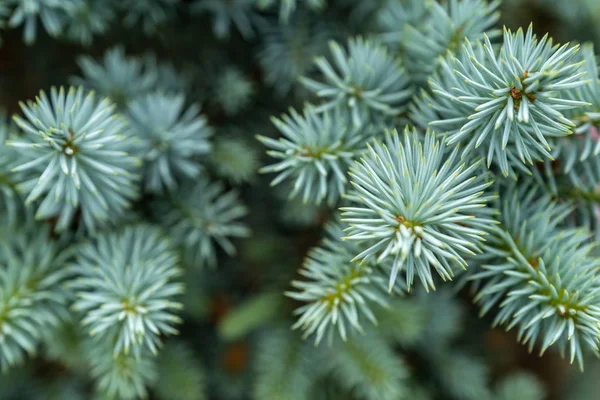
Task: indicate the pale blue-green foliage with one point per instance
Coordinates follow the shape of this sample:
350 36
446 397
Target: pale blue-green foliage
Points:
541 275
520 385
233 91
422 109
169 78
170 136
576 181
52 14
440 28
582 188
414 204
287 7
32 299
510 101
315 152
340 294
575 150
200 217
88 18
368 366
285 366
118 76
74 156
239 13
126 288
584 143
428 108
234 158
9 199
149 14
287 50
365 78
121 376
394 17
180 374
587 116
577 175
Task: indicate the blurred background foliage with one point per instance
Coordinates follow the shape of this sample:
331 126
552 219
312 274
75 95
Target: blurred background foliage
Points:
236 341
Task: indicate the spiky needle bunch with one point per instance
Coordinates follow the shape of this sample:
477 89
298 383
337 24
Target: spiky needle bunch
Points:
339 292
238 13
121 376
171 136
442 29
52 14
32 299
414 204
542 276
584 144
89 18
511 102
287 51
119 76
366 78
200 216
587 117
394 17
126 288
316 152
74 156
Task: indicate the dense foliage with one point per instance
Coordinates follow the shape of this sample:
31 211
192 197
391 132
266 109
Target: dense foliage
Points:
299 199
